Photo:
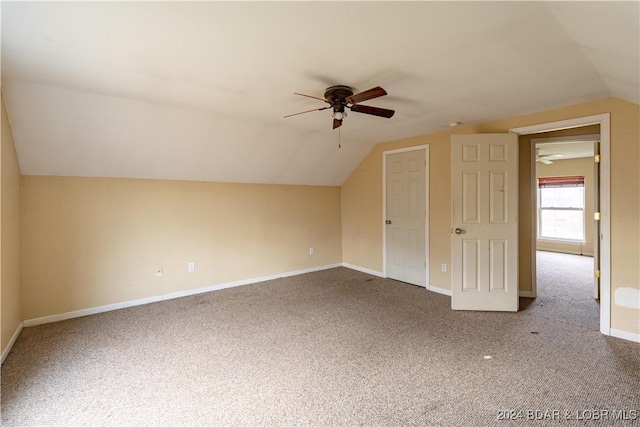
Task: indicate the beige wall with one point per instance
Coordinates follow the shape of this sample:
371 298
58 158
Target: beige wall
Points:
362 199
9 236
572 167
89 242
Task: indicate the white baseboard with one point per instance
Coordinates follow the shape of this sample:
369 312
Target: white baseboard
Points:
625 335
567 251
12 341
380 274
442 291
173 295
526 294
363 270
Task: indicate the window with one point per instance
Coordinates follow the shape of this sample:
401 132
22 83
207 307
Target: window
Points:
561 208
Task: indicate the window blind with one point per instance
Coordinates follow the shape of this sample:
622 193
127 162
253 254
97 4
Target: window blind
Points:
561 181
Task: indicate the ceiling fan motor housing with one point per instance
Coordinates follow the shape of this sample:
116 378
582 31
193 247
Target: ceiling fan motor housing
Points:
336 96
337 93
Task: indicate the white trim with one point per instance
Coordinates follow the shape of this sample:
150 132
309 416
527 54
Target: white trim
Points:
404 150
563 251
12 341
625 335
363 270
574 242
604 121
424 147
526 294
591 137
427 217
384 214
534 229
173 295
438 290
381 274
562 124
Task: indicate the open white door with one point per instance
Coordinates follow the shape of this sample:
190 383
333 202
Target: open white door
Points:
484 194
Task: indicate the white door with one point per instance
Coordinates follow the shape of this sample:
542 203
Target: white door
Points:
484 194
405 216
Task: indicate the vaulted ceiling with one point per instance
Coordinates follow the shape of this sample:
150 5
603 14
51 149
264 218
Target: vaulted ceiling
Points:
198 90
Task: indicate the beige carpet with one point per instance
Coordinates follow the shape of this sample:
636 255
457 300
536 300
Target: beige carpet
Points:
336 347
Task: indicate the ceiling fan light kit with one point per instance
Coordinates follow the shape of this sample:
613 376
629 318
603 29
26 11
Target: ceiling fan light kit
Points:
341 97
339 115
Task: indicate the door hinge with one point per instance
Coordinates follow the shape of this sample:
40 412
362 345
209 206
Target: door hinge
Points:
596 216
425 264
596 158
597 273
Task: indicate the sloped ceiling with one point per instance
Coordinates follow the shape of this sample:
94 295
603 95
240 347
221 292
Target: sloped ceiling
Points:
198 90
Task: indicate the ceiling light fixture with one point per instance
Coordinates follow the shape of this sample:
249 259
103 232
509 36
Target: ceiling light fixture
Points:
454 124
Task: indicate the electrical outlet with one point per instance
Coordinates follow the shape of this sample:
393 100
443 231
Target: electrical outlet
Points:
444 268
191 267
310 251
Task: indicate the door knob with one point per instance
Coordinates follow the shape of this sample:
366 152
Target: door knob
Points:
388 221
458 230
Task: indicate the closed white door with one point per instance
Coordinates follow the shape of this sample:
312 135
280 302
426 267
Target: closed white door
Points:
405 216
484 186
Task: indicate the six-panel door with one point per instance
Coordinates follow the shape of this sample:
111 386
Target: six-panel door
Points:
484 186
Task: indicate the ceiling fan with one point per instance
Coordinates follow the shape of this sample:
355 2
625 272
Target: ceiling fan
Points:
546 158
341 97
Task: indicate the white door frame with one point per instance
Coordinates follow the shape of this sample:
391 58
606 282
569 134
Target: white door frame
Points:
604 121
424 147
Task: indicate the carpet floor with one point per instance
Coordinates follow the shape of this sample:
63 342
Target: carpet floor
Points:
335 347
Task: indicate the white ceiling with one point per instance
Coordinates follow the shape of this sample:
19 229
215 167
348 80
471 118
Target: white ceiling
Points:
197 90
575 149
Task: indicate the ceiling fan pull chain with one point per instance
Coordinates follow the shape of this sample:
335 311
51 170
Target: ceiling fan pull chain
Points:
339 138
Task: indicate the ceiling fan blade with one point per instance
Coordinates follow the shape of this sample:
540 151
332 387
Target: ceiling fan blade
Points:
543 160
308 111
309 96
374 111
367 94
337 123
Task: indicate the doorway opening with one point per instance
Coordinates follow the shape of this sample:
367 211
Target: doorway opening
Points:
602 236
566 224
